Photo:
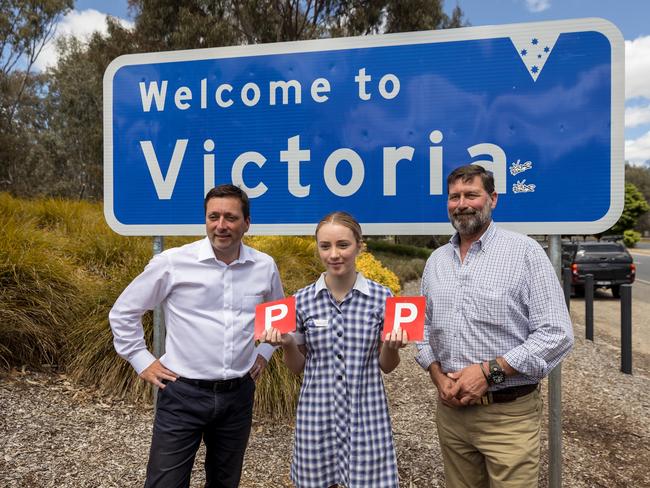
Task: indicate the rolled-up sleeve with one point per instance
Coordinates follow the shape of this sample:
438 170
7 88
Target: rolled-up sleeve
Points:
550 336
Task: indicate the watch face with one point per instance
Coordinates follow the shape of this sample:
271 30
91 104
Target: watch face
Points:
497 377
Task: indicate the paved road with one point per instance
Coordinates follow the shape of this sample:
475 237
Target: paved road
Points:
607 317
642 262
645 244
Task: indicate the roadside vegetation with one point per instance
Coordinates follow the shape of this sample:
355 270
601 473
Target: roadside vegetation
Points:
61 270
406 261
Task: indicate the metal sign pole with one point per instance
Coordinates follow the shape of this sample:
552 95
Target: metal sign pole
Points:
555 389
158 320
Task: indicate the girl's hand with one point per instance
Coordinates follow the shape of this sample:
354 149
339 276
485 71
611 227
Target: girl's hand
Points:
274 337
396 339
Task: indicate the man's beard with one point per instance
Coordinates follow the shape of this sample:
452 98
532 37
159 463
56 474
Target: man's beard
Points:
470 221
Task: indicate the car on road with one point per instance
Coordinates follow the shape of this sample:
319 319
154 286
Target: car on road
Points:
609 262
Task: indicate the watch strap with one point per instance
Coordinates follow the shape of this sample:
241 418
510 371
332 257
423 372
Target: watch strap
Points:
493 365
487 376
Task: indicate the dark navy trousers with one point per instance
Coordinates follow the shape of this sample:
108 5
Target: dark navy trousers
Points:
185 414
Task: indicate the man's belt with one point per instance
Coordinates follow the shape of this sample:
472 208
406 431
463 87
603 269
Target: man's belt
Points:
509 394
217 385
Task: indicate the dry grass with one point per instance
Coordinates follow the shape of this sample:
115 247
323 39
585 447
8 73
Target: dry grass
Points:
61 270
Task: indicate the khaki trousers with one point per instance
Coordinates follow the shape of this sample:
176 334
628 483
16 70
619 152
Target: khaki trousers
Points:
491 446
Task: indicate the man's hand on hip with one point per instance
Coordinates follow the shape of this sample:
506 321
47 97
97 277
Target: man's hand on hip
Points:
258 367
470 384
156 372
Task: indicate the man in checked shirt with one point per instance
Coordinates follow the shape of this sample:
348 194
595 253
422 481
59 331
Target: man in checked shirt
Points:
496 325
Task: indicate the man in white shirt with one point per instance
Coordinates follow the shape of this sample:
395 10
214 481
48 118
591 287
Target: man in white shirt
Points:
208 291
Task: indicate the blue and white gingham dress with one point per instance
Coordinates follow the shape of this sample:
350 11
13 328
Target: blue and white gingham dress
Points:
343 431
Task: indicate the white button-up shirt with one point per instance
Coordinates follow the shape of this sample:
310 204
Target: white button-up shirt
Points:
209 310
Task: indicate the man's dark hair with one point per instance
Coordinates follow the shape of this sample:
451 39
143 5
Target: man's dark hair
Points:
468 172
229 191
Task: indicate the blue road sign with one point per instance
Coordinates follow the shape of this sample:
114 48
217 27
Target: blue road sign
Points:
372 125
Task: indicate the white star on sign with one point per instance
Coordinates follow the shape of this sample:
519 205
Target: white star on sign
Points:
534 49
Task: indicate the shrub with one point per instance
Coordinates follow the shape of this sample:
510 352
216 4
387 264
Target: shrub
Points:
374 270
631 237
398 249
40 294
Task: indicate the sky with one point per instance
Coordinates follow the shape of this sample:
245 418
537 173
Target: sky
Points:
630 16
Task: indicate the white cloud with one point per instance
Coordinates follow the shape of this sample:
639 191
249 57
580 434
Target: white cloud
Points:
538 5
80 24
637 68
636 116
637 151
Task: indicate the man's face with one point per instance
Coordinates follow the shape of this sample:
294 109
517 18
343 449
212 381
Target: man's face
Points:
469 206
225 226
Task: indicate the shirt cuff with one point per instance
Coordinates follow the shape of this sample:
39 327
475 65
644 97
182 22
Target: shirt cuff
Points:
521 360
266 350
142 360
425 357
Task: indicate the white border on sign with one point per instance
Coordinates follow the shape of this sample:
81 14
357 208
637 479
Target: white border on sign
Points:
602 26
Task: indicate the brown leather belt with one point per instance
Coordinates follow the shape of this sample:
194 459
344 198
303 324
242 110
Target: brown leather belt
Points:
216 385
509 394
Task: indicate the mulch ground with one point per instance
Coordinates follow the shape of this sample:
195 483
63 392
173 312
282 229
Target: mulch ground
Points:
54 433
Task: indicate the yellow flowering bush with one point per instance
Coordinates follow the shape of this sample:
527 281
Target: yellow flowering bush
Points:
372 269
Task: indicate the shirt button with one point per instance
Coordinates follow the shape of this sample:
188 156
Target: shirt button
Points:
340 356
339 377
339 333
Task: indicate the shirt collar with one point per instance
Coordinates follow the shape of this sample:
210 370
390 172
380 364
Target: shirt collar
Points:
360 284
206 252
483 241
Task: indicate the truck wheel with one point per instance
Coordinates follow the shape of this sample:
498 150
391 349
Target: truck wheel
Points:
616 291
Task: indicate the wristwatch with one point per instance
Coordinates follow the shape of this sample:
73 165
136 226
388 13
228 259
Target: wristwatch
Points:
496 375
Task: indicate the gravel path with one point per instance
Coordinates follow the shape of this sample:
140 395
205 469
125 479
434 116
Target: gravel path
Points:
57 434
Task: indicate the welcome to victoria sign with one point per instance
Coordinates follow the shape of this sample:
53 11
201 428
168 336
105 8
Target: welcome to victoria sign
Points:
372 125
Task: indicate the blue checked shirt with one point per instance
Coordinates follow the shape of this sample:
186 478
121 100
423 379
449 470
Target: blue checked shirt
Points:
504 299
343 432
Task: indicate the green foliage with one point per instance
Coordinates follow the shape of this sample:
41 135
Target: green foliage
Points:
374 270
406 269
631 237
398 249
412 15
25 27
639 176
635 207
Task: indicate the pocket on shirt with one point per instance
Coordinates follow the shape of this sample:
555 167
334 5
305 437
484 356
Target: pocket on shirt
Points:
316 337
489 306
248 303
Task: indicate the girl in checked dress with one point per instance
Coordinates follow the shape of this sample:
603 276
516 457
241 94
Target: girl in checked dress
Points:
343 433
